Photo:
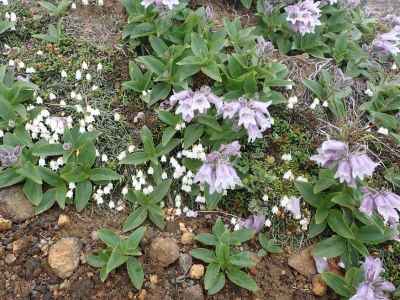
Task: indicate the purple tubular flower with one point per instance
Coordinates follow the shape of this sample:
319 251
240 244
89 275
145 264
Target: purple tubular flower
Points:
252 115
192 104
388 43
387 204
160 3
350 166
351 3
8 157
217 171
254 222
304 16
374 287
263 47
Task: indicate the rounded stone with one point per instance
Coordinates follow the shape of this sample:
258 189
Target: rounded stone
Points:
164 251
64 256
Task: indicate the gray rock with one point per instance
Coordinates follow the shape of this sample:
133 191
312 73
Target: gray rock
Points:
14 204
303 262
164 251
64 256
193 293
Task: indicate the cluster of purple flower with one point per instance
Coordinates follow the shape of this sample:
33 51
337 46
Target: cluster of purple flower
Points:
217 170
193 103
349 165
252 115
389 42
160 3
373 287
8 157
304 16
387 204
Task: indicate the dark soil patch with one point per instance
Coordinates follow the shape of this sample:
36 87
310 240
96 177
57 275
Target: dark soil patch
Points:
30 277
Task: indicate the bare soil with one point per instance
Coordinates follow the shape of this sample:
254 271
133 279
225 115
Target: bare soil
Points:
30 277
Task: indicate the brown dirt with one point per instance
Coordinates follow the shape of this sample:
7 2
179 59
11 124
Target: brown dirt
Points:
30 277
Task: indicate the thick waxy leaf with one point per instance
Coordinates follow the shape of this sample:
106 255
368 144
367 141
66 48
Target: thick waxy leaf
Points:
203 254
135 219
135 272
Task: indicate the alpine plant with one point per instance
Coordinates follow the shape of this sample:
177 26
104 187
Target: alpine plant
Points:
252 115
217 170
374 287
349 166
304 16
386 203
388 43
191 104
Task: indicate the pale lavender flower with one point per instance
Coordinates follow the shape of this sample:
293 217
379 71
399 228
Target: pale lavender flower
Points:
389 42
387 204
263 47
192 104
349 165
217 170
252 115
254 222
304 16
374 287
160 3
8 157
321 264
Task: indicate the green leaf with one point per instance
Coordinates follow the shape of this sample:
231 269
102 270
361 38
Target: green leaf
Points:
50 177
160 91
242 259
219 228
207 239
28 170
97 261
44 150
161 191
82 194
147 140
338 284
157 217
219 283
315 87
135 219
33 192
306 189
135 272
136 158
60 195
211 275
199 46
247 3
48 200
325 181
204 255
242 235
192 134
269 245
152 63
109 237
242 279
135 237
337 223
158 45
103 174
360 247
331 247
116 260
212 71
9 177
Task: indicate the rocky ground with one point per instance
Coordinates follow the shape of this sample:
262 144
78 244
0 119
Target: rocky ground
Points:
43 257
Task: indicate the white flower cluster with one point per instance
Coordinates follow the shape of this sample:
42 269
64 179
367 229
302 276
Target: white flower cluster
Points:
179 170
86 123
47 127
235 223
102 192
291 204
197 152
138 180
12 17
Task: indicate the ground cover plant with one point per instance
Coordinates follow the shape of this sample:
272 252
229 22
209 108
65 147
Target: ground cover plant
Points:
263 135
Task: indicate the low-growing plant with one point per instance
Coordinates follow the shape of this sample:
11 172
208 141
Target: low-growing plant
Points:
54 34
58 10
148 206
225 261
119 251
268 245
